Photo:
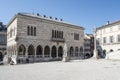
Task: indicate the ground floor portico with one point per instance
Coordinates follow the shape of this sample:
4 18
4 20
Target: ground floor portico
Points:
24 53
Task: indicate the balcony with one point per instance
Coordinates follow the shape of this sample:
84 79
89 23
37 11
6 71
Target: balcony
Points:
58 39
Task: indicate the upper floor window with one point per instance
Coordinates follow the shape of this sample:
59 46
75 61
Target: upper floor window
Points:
3 39
104 39
118 38
28 30
34 31
31 31
57 34
76 36
111 39
98 41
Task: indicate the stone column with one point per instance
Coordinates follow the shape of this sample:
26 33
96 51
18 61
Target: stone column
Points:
35 55
43 53
35 52
57 51
95 46
26 52
50 53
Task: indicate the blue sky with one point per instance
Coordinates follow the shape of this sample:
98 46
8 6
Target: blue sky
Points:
86 13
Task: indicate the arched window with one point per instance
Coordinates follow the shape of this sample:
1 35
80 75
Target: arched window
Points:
34 31
31 31
28 30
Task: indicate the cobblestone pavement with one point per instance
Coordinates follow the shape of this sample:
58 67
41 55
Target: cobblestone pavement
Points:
75 70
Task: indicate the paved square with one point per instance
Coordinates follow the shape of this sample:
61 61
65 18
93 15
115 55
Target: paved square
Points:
74 70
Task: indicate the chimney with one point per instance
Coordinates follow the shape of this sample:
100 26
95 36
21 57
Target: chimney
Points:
38 14
108 22
56 19
61 19
44 16
50 17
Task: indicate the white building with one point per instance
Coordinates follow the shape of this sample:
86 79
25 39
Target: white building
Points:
39 38
108 36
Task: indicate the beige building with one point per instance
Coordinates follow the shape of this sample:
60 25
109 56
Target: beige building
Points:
39 38
108 36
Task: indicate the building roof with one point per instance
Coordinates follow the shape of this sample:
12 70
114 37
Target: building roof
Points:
2 27
44 18
107 25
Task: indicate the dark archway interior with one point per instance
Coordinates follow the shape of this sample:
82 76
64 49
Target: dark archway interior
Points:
39 50
71 51
21 50
47 51
60 52
53 54
31 50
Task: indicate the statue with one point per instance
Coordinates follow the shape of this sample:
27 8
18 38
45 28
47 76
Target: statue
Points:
65 57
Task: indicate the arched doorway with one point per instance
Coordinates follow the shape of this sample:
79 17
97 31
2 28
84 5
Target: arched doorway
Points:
1 56
54 50
60 52
46 51
21 50
76 51
39 50
71 51
81 51
31 50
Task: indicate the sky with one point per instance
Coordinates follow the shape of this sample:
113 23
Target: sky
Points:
85 13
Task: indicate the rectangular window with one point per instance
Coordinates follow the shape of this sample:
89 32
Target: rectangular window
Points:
76 36
2 39
104 39
98 41
118 38
111 39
